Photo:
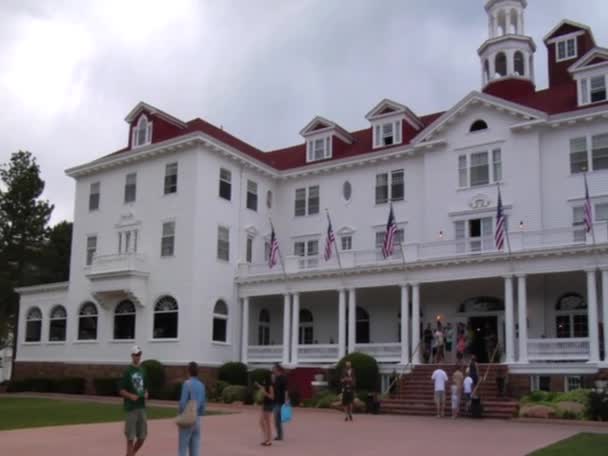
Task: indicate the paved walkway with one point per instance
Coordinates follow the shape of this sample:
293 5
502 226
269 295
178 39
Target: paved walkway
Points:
312 432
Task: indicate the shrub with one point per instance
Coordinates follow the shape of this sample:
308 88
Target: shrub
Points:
326 400
219 387
19 386
69 385
155 376
41 385
106 386
579 395
597 406
233 373
258 375
366 370
250 396
170 392
295 398
536 396
234 393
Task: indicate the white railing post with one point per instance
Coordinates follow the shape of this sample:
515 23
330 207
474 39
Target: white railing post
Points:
509 326
594 354
405 323
245 331
522 315
295 328
416 323
286 323
341 323
352 310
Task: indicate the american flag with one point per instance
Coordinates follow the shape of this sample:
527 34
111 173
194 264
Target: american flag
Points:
588 211
274 250
499 235
389 236
329 241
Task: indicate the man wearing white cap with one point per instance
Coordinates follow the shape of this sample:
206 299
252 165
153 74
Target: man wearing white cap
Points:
134 392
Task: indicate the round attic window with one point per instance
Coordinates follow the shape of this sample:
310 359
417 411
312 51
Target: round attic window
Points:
347 191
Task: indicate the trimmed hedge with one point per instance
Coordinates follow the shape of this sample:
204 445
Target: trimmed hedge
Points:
170 392
234 393
233 373
259 375
70 385
218 389
155 376
366 370
106 386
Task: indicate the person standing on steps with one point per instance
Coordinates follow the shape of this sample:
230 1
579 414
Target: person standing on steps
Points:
439 379
348 390
473 372
281 397
134 392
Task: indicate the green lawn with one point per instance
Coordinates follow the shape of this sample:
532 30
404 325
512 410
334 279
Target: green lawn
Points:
579 445
18 413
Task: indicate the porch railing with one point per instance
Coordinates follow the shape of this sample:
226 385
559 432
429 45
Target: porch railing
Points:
264 353
383 352
318 353
572 349
520 240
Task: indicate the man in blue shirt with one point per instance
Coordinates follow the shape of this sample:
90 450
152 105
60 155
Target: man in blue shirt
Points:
192 389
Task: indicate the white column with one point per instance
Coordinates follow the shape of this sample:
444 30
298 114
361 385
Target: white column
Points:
286 323
522 316
352 312
405 323
295 328
509 320
605 311
245 331
594 341
416 323
341 323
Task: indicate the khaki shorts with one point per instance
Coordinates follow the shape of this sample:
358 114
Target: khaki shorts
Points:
440 396
136 424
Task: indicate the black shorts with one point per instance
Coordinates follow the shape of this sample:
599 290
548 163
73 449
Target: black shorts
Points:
268 407
347 397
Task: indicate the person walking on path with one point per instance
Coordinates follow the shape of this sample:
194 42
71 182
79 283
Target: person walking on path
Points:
134 392
348 390
439 378
192 389
268 398
281 397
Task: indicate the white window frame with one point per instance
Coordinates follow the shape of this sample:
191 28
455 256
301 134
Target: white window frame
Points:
319 148
379 133
346 242
585 90
142 123
567 55
252 189
577 378
171 178
226 179
167 233
94 191
307 200
308 258
128 199
464 172
476 244
390 175
223 244
249 249
54 318
38 319
127 241
91 249
223 317
82 316
589 149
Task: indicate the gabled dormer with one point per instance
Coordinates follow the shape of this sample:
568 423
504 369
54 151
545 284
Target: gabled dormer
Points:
320 135
148 125
591 75
388 120
566 42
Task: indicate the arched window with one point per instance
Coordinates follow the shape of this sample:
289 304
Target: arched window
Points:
124 321
518 63
501 64
165 318
306 330
264 327
58 324
478 125
362 322
571 316
33 325
220 322
486 71
87 322
142 133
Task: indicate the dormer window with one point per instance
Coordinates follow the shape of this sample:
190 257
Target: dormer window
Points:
387 133
142 133
593 89
319 149
565 49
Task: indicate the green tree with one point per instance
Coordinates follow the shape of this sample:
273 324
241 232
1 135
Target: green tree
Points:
53 263
23 231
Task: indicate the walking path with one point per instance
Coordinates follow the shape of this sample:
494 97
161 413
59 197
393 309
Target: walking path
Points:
312 432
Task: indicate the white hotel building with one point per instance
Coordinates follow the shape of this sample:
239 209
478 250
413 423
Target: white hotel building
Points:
171 233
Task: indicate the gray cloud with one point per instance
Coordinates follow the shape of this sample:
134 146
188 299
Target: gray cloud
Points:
70 71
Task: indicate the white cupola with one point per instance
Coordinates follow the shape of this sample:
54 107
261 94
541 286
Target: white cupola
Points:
507 54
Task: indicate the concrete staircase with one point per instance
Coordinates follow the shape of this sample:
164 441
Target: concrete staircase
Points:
415 394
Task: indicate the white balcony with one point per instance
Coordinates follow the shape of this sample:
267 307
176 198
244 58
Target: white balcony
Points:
573 349
117 277
384 353
318 353
410 253
264 353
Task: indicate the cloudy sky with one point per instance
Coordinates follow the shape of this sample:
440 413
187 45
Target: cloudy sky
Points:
70 71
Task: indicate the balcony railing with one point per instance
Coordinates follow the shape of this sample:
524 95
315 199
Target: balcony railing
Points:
573 349
520 241
264 353
318 353
121 262
385 352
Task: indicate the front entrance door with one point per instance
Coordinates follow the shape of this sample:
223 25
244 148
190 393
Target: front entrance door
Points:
485 337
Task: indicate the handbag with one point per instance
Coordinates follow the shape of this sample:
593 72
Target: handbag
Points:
188 417
286 413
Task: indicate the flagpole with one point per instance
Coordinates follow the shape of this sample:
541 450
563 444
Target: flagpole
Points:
588 201
335 243
506 228
278 249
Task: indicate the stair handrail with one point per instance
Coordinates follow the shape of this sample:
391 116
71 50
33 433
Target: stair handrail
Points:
484 378
398 378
